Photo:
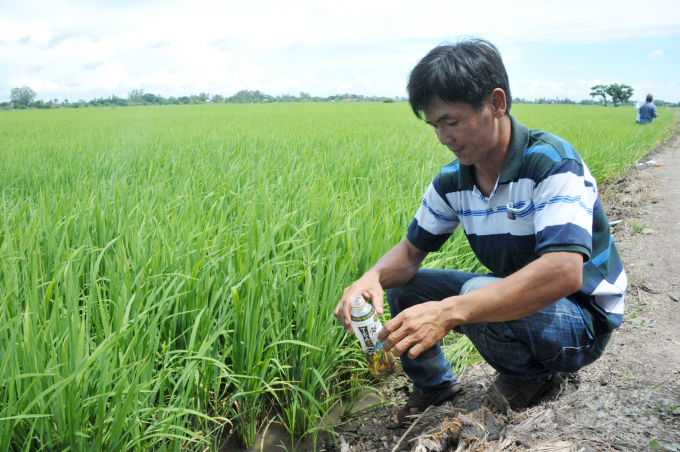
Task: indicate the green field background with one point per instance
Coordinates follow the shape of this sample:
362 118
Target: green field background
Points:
168 274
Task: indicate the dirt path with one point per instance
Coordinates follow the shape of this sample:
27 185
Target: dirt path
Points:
623 401
643 357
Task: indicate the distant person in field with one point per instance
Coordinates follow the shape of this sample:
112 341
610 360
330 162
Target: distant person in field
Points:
531 212
647 111
639 104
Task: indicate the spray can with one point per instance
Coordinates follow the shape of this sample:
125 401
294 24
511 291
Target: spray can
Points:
366 324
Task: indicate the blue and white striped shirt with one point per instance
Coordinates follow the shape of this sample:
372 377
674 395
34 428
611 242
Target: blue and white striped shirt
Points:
545 200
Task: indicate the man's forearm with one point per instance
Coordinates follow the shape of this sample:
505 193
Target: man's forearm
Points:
536 286
398 265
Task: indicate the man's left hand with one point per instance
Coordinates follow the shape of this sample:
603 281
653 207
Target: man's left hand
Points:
417 328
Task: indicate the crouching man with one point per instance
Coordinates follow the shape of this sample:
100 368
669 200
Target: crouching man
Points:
531 212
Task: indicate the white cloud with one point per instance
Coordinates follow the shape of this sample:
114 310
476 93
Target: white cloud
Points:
225 44
15 30
656 54
103 76
295 46
514 58
58 39
669 92
216 46
110 76
163 78
93 65
36 83
159 45
373 84
550 89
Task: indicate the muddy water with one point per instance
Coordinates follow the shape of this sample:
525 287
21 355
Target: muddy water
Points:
275 437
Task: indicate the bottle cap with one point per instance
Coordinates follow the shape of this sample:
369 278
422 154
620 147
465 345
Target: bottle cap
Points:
357 302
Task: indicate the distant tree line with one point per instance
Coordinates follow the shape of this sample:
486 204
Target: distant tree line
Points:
567 101
256 97
620 95
554 101
24 97
547 100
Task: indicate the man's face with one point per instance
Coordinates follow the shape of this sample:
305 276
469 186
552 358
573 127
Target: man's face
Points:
470 134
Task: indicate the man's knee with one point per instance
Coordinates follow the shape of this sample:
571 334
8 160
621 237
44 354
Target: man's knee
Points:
410 294
394 299
427 285
478 283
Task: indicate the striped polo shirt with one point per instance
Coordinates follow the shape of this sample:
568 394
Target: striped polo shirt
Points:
545 200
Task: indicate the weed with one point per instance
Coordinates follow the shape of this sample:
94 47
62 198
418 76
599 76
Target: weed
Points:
459 350
626 373
637 227
635 277
632 310
654 445
642 324
648 404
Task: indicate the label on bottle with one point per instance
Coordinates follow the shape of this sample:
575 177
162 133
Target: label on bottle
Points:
366 329
366 317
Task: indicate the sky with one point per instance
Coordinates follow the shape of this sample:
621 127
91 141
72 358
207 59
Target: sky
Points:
77 49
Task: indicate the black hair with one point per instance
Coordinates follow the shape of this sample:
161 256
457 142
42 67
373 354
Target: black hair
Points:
467 71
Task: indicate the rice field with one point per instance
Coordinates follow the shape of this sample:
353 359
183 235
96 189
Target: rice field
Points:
168 274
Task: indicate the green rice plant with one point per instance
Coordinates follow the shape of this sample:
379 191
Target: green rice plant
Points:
168 274
460 351
608 139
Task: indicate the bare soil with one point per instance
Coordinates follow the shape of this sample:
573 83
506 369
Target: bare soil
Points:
623 401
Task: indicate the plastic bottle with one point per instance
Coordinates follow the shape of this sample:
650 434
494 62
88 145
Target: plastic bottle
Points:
366 324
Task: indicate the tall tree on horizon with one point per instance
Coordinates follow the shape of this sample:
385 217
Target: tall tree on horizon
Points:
619 93
599 90
22 96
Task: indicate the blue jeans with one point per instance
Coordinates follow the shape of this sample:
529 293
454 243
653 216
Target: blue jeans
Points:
532 348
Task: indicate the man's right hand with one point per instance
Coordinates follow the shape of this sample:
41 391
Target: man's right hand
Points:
368 286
